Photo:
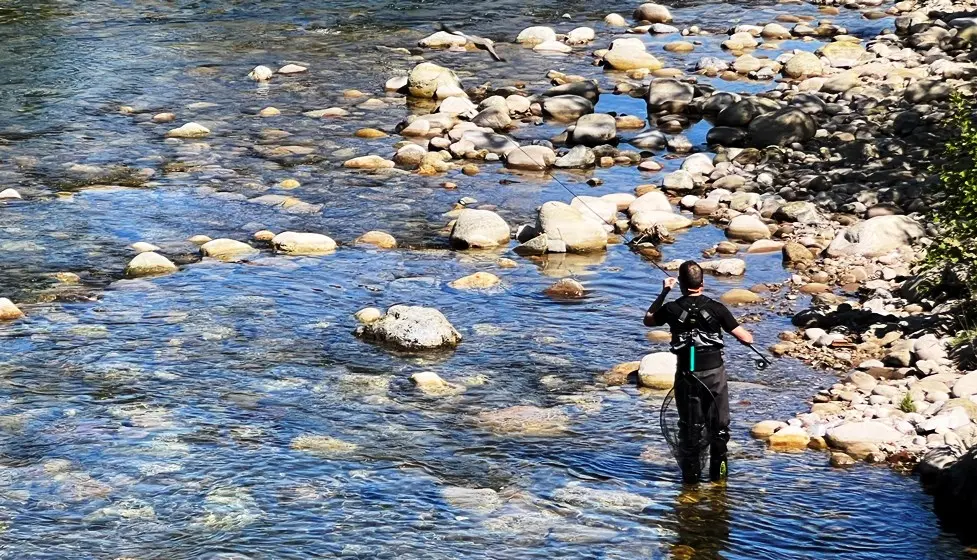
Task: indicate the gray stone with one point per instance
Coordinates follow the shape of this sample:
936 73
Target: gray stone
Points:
669 94
594 130
412 328
566 108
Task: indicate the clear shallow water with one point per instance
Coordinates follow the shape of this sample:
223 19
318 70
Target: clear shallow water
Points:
154 419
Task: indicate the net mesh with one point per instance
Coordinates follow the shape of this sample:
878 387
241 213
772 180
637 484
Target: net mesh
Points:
687 430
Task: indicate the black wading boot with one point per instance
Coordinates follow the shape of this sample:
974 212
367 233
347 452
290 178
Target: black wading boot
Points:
717 457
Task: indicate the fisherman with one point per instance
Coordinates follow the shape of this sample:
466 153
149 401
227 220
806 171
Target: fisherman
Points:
697 324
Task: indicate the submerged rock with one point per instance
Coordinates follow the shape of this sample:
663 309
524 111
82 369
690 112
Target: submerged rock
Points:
476 281
525 420
431 384
323 445
477 500
566 288
411 328
876 236
609 500
149 264
380 239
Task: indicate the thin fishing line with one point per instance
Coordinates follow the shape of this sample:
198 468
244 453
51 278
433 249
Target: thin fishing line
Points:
549 174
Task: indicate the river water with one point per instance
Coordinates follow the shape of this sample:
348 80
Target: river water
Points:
156 418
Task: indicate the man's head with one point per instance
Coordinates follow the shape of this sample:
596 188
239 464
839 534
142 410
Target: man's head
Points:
690 277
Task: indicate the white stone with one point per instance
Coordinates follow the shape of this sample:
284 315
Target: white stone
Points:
297 243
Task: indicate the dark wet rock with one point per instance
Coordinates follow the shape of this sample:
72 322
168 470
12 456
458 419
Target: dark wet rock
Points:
566 288
594 130
651 140
587 89
669 95
726 136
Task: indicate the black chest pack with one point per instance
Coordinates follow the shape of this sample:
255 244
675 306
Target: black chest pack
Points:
698 327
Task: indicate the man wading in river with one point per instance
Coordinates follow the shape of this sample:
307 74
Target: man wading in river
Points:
697 324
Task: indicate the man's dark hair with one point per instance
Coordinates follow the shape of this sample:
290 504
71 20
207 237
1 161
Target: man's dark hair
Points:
690 275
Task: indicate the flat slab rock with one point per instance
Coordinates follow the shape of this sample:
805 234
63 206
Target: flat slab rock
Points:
853 433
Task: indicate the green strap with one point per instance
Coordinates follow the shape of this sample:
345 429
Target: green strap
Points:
692 358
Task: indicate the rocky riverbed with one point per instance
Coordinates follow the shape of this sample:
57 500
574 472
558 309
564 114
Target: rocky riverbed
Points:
358 268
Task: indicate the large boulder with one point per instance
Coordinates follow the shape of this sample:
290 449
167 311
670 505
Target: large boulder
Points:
800 211
842 54
536 35
739 113
782 127
296 243
594 129
876 236
476 229
566 108
411 328
559 221
652 13
9 311
496 118
587 89
650 201
669 94
149 264
227 250
852 433
530 158
657 370
595 208
952 479
803 65
747 228
425 79
630 54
